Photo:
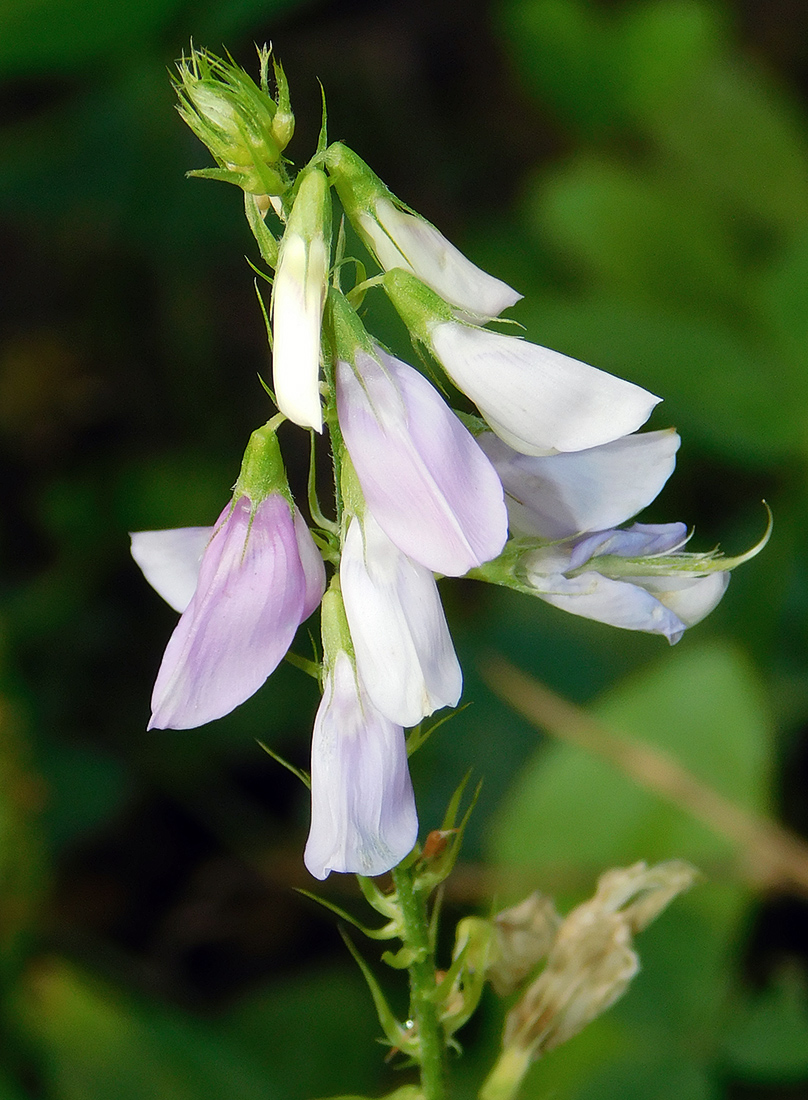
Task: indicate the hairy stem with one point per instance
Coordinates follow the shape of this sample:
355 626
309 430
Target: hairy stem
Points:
422 985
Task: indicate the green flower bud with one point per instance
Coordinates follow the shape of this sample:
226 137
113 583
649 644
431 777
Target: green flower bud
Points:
244 128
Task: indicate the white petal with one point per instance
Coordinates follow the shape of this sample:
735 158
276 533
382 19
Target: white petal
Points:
617 603
557 496
538 401
404 240
363 817
298 297
690 598
170 561
403 648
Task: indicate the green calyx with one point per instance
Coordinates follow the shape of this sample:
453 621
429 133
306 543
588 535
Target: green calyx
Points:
334 625
345 329
676 563
357 185
418 307
352 495
262 471
310 217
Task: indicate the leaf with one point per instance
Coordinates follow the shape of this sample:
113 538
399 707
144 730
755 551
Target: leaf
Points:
644 235
567 53
294 1039
98 1041
736 136
701 705
768 1038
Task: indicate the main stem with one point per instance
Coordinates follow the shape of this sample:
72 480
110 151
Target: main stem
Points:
423 1009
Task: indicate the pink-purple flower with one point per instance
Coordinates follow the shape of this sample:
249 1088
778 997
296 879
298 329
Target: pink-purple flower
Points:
259 576
426 481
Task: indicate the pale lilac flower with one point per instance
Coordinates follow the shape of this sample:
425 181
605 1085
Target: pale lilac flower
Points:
298 299
403 648
537 400
363 817
557 496
638 578
259 577
586 577
401 239
429 486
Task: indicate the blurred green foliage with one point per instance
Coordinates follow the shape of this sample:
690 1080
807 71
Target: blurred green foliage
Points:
640 172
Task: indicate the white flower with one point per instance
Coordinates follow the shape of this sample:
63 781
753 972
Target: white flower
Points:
170 560
557 496
408 241
403 648
363 817
298 299
570 576
639 578
537 400
401 239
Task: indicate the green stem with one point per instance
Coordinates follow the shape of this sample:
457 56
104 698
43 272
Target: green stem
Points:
505 1079
423 1008
334 430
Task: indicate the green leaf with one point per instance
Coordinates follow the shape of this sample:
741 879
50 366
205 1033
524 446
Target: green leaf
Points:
736 136
393 1030
294 1039
768 1039
567 53
702 705
664 47
645 236
98 1041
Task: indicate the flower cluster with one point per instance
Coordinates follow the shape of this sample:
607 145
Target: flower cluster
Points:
528 494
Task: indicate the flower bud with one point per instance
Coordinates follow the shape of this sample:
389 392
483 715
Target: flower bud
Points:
298 299
244 128
400 238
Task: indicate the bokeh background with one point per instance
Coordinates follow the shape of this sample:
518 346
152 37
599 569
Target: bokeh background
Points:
640 171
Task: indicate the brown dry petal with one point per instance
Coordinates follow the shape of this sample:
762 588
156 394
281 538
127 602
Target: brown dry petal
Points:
592 960
523 936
